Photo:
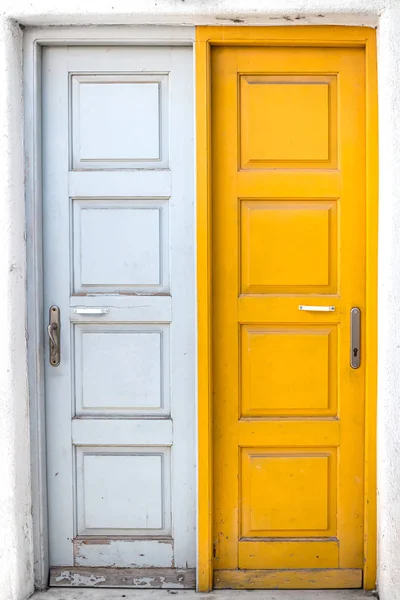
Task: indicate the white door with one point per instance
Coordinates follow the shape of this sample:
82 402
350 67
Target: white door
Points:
118 251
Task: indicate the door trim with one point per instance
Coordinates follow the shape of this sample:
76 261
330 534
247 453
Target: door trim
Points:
335 36
34 40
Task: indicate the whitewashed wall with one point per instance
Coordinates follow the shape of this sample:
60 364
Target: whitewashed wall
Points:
16 559
389 307
16 547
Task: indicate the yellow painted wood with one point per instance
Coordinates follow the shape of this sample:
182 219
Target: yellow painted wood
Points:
295 579
277 308
307 184
293 554
204 311
263 390
334 36
269 252
287 493
371 337
312 269
284 141
285 432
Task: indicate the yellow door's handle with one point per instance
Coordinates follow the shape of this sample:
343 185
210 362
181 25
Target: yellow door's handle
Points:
317 308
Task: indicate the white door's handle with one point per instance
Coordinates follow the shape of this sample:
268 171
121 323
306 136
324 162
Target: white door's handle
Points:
91 311
317 308
53 329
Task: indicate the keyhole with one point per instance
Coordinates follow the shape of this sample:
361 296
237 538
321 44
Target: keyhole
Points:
355 352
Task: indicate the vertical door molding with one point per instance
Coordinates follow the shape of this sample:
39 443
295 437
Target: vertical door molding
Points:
204 310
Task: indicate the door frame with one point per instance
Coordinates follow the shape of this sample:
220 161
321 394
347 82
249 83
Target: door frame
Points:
312 36
33 42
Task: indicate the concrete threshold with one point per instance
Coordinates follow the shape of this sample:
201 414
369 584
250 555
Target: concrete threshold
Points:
126 594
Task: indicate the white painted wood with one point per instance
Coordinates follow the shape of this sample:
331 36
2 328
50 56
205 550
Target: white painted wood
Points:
57 289
131 553
109 577
141 308
150 432
119 121
34 40
120 239
122 370
123 491
183 351
106 35
35 325
150 183
120 245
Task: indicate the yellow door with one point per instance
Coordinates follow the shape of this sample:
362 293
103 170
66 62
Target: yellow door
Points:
288 194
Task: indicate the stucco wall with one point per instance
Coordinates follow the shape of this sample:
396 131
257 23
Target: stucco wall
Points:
389 308
16 554
194 12
16 570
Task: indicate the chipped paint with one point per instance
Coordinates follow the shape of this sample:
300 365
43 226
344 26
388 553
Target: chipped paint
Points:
170 585
123 578
123 553
143 582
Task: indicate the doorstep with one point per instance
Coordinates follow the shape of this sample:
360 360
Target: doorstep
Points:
124 594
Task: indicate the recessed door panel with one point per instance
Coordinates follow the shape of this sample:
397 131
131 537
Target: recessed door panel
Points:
307 356
288 121
304 237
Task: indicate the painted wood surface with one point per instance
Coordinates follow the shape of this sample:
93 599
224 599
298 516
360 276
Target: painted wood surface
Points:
207 38
322 579
118 235
123 578
288 229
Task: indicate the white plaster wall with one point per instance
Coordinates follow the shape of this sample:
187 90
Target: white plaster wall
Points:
16 570
16 554
194 12
389 307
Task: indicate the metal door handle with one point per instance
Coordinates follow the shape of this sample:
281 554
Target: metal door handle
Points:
355 338
53 330
50 331
91 311
317 308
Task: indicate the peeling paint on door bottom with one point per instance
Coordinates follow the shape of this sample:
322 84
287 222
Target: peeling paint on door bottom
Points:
123 578
123 553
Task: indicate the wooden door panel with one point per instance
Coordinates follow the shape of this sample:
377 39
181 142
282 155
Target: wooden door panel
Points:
304 237
287 492
308 358
288 189
118 261
307 112
277 554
